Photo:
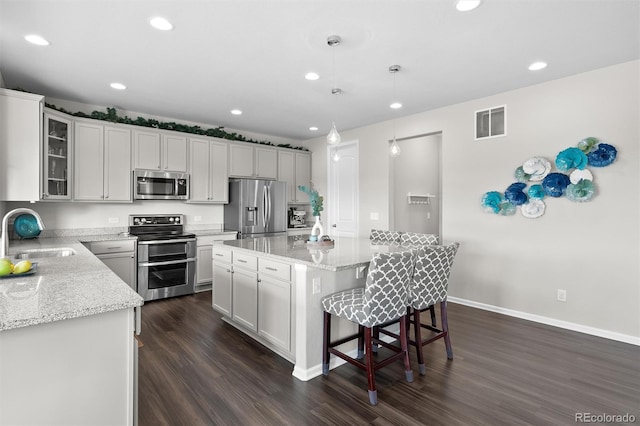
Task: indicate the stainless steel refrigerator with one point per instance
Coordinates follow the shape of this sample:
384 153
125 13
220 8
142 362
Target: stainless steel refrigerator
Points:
257 208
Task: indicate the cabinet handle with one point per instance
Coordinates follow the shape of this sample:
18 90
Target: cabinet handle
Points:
241 261
268 268
229 270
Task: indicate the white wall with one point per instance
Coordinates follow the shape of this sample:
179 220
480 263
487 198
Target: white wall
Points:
591 250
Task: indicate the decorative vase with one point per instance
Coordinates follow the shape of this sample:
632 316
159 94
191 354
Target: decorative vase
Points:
316 227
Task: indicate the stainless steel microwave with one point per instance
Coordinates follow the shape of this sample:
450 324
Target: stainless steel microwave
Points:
155 185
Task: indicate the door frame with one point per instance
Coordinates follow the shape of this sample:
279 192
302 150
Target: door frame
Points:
392 177
331 195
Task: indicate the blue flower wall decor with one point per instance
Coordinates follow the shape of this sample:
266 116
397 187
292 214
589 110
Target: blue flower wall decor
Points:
572 180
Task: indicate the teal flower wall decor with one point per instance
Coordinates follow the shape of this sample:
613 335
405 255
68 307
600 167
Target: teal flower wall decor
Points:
572 180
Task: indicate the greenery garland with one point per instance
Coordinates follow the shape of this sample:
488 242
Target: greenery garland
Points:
217 132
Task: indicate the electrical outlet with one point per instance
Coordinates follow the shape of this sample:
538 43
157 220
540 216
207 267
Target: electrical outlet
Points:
562 295
114 220
317 285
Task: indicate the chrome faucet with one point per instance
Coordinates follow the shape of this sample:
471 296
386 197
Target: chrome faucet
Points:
4 238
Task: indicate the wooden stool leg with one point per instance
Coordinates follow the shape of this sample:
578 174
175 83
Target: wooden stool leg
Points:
418 339
325 343
445 329
405 348
360 342
376 335
432 309
371 379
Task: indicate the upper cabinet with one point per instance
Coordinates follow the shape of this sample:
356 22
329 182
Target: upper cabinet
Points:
20 144
294 168
102 166
57 158
252 162
153 150
209 171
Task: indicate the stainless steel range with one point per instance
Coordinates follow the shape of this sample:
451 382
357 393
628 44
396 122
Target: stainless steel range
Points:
166 256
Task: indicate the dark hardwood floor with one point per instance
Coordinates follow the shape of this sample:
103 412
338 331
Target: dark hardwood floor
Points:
196 370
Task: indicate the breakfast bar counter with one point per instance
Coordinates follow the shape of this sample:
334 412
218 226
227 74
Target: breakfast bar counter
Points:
270 288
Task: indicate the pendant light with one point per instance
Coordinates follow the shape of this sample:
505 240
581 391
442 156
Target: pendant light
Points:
394 150
333 138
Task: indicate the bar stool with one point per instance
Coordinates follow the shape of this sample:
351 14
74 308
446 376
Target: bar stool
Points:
384 298
416 238
428 287
382 236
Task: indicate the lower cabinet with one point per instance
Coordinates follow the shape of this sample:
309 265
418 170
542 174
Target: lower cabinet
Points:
245 298
204 271
254 293
120 257
274 311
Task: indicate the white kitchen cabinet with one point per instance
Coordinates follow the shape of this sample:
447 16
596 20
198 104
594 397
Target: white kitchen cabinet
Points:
253 162
21 126
222 281
102 163
79 371
57 157
245 298
255 294
153 150
274 303
204 271
294 168
208 168
120 257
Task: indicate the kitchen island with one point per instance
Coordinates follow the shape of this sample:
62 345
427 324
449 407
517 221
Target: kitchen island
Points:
67 347
270 288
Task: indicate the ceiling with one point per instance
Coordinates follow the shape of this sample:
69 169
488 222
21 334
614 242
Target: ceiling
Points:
253 55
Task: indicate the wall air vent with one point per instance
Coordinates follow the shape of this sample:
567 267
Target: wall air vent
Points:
491 123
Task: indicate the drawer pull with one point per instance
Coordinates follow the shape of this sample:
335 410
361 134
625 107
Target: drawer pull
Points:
241 261
269 268
219 254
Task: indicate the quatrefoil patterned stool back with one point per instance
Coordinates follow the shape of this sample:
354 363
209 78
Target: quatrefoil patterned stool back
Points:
431 275
417 239
379 235
385 296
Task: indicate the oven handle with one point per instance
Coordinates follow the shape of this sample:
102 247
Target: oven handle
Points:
182 240
169 262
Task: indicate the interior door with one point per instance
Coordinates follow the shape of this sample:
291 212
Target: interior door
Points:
343 189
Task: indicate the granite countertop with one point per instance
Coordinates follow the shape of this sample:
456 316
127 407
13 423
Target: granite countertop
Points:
63 287
346 253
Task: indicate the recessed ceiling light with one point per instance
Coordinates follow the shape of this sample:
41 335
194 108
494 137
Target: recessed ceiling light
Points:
236 112
160 23
313 128
311 76
36 39
467 5
118 86
537 66
396 105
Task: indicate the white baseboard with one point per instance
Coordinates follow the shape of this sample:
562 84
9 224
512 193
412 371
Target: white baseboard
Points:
549 321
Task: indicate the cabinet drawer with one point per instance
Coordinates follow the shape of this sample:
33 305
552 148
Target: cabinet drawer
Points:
116 246
278 270
221 255
245 260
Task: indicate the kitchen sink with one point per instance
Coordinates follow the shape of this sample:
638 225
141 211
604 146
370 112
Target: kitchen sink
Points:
49 252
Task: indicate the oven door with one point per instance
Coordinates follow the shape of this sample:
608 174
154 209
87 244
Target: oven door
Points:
166 269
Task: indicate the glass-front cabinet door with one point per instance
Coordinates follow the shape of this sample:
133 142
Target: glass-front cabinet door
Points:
56 158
